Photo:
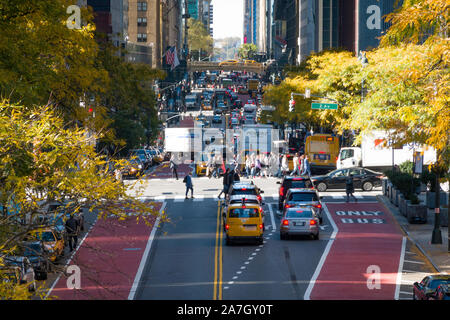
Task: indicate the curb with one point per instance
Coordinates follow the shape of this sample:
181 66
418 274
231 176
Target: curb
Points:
383 201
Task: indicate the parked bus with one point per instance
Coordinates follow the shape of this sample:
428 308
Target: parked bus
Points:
322 151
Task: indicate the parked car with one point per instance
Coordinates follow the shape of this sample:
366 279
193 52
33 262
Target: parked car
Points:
364 179
424 289
301 220
20 269
289 182
299 197
441 293
133 169
52 241
38 257
142 157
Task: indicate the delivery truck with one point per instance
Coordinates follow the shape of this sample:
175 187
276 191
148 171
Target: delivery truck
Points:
375 153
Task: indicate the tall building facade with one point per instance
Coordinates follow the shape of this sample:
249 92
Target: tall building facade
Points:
301 27
143 27
251 21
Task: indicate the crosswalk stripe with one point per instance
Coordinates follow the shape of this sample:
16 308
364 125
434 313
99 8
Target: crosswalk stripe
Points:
199 197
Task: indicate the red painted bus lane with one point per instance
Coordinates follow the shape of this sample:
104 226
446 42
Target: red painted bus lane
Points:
363 260
108 260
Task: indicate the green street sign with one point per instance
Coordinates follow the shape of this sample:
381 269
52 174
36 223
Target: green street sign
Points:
324 106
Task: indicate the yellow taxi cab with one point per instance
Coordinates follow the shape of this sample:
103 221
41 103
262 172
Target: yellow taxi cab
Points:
200 169
243 221
250 62
52 240
229 62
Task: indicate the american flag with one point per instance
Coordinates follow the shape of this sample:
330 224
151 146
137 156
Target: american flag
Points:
170 56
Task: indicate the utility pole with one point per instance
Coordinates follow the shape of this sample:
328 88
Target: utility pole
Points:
186 16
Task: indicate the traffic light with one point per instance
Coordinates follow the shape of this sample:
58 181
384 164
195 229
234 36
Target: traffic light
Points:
291 105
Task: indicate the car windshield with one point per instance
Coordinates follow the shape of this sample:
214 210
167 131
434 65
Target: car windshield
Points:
32 249
435 283
244 213
347 153
300 184
45 236
246 201
299 213
307 196
244 191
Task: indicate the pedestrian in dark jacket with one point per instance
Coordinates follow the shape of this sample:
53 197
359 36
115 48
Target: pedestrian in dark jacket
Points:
225 183
72 227
349 188
189 185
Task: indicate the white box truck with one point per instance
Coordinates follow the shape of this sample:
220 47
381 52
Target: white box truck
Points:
375 153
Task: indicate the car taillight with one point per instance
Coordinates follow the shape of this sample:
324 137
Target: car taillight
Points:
288 206
281 191
259 198
285 222
318 206
312 222
261 226
227 227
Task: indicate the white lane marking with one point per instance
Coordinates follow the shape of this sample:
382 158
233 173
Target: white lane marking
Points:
324 255
179 198
138 276
272 218
404 292
418 262
400 268
160 198
199 197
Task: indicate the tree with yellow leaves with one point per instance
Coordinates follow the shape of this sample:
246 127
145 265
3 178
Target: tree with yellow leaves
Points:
43 161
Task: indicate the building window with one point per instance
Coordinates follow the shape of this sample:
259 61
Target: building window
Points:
141 37
142 22
142 6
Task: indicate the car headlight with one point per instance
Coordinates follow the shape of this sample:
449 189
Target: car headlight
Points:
140 166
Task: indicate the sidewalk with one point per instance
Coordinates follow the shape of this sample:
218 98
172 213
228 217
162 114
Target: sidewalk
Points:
420 235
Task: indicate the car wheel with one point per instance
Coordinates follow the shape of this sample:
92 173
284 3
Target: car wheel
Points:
322 186
316 236
228 241
282 236
367 186
414 296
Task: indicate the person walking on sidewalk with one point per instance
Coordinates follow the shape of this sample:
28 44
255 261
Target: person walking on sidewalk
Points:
173 166
349 188
72 229
189 186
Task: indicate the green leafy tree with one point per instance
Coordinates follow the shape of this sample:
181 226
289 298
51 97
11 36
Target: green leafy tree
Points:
199 39
247 50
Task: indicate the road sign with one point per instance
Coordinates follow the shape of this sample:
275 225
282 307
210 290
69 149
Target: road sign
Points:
324 106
